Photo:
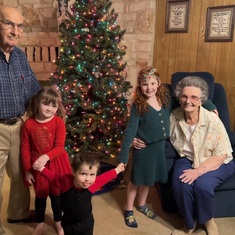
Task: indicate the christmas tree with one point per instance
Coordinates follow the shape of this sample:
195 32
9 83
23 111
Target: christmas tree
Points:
91 77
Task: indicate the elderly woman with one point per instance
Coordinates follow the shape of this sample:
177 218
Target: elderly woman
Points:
205 153
205 161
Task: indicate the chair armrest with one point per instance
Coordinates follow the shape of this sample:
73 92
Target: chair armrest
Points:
170 152
231 135
171 156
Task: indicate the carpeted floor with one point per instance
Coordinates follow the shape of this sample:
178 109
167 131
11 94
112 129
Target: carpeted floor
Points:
108 212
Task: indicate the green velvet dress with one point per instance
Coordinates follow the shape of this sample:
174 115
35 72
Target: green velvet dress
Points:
148 164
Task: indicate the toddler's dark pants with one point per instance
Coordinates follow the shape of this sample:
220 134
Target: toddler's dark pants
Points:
84 227
40 208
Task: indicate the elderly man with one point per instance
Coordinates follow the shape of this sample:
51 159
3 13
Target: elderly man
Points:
17 84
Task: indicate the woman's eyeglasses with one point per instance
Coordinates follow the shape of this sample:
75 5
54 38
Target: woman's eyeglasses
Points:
192 98
6 24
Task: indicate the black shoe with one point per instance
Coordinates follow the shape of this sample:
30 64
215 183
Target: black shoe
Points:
130 219
30 219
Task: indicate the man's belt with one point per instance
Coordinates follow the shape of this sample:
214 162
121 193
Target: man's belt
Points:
9 121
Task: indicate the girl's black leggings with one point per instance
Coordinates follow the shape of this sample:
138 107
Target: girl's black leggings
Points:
40 208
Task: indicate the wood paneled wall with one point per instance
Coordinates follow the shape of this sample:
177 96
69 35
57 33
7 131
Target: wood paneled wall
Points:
174 52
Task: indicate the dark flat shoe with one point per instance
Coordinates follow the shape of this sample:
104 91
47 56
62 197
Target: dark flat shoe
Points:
30 219
130 219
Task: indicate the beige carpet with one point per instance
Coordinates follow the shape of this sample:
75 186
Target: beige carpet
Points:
108 213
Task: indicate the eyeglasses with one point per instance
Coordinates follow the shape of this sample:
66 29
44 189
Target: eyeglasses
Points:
192 98
10 25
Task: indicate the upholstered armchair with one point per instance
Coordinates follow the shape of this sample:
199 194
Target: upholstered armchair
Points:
225 193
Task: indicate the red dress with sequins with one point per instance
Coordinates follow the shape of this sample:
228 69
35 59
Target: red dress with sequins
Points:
45 138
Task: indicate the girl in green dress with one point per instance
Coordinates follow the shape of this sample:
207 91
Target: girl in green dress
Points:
149 121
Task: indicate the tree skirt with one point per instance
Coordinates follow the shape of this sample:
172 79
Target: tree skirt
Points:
112 184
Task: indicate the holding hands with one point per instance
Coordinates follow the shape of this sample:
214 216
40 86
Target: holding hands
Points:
38 165
40 162
120 168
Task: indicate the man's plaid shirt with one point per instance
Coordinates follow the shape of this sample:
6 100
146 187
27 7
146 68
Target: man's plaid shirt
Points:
17 84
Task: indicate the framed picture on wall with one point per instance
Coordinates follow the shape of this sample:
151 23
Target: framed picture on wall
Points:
220 24
177 15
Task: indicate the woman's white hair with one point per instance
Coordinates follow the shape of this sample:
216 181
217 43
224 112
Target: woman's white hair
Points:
193 81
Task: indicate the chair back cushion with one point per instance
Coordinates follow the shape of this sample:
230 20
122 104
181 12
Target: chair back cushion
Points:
220 101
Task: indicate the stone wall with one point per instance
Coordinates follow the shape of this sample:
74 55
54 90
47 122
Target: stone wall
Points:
40 39
138 18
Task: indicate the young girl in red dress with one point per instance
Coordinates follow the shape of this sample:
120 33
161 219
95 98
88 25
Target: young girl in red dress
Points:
43 139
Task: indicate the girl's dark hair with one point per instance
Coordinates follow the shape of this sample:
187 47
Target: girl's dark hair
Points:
140 99
46 95
85 157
